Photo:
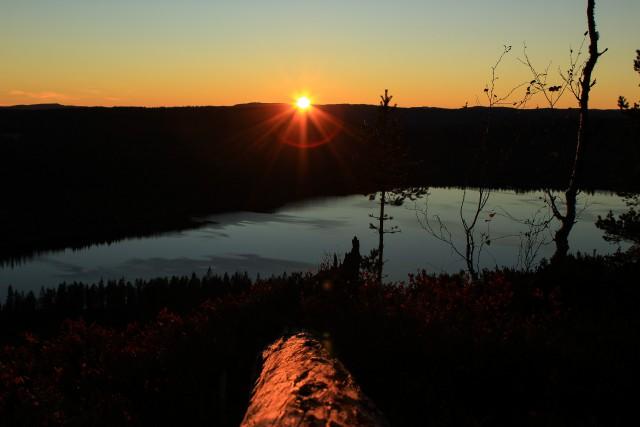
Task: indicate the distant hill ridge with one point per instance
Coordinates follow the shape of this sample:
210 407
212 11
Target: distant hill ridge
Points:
101 174
54 106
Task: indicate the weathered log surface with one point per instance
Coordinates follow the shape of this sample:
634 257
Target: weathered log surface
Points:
302 385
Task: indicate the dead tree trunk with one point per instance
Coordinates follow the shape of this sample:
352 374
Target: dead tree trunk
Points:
381 237
568 219
302 385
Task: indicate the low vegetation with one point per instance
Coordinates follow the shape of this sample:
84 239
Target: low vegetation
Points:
555 346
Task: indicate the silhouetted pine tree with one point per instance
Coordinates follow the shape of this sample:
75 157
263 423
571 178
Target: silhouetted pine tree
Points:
389 159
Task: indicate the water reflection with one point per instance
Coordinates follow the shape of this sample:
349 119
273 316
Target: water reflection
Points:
298 237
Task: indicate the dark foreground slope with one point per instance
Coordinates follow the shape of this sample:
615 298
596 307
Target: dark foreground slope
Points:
76 176
559 346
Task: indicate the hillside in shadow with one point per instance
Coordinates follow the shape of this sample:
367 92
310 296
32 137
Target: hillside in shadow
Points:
77 176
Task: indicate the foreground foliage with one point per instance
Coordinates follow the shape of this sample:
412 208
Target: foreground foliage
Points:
556 346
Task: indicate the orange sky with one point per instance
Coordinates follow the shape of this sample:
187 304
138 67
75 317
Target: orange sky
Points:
196 52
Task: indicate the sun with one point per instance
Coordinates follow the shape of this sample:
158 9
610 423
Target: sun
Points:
303 103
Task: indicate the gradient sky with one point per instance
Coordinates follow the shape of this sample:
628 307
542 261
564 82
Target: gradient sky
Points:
208 52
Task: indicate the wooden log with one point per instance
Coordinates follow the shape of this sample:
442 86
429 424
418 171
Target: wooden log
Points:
302 385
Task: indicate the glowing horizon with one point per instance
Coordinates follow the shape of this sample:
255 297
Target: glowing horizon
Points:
427 53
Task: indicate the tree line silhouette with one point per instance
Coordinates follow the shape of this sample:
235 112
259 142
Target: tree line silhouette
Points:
113 302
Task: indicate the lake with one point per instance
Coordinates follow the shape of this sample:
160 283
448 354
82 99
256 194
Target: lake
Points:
298 237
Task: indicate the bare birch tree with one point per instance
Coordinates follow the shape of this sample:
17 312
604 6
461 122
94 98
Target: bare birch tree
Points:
581 90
